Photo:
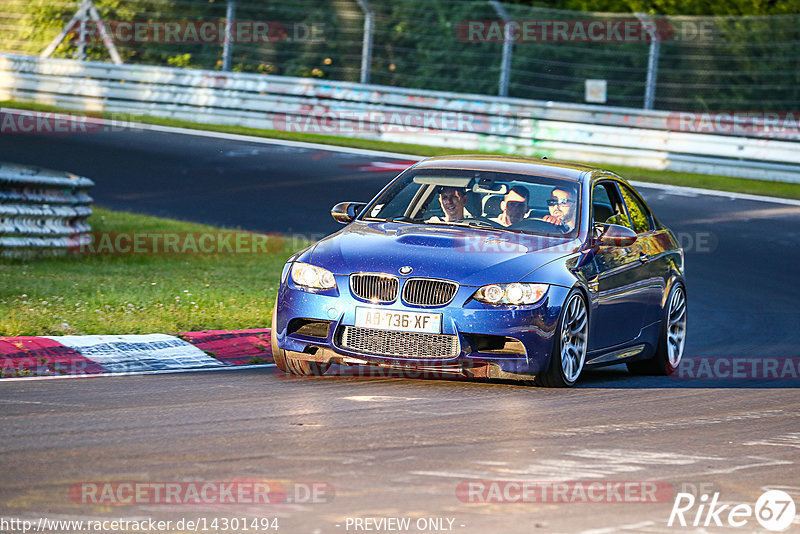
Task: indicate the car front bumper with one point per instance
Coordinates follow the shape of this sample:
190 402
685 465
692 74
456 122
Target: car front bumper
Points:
528 330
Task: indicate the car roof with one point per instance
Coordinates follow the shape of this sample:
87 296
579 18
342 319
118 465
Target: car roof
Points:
512 164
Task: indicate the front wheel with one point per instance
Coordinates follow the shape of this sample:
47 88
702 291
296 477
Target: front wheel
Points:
673 337
292 362
569 349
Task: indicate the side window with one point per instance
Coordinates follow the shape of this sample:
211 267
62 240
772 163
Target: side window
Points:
640 215
606 205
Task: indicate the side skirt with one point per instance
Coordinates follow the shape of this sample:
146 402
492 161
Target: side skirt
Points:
617 355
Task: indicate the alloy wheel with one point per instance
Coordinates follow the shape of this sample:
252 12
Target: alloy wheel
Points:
574 331
676 327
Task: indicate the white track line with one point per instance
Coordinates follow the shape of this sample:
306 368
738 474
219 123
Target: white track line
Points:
272 141
396 155
684 191
134 373
680 190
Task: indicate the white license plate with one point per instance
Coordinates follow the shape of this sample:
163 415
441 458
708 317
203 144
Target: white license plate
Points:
399 320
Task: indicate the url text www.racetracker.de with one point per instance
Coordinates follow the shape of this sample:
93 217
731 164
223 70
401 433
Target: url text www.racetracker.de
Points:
195 524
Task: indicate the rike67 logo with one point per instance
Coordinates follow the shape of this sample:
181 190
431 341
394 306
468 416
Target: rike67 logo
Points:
774 510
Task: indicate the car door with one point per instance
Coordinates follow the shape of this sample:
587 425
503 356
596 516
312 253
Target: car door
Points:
650 247
620 299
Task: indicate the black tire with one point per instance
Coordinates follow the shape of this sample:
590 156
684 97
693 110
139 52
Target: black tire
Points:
302 367
664 361
292 362
277 353
575 325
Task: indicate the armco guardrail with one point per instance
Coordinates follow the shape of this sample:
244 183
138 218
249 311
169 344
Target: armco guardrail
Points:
765 150
41 211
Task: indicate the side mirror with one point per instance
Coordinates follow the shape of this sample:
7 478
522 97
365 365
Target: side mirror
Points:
614 235
345 212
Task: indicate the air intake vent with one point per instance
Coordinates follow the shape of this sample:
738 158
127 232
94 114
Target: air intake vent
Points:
400 344
374 287
428 292
309 327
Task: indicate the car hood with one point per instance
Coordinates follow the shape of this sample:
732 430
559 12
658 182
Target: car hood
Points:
469 256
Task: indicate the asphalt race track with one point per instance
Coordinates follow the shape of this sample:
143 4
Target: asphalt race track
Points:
250 185
395 447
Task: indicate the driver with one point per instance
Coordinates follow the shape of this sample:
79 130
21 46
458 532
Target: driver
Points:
514 206
453 201
562 209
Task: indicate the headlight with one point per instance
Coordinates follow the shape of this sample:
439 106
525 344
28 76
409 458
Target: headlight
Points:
513 294
307 275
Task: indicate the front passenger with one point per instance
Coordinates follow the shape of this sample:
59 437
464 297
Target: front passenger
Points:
514 206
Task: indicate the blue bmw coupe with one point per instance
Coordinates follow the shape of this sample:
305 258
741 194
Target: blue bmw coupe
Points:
488 267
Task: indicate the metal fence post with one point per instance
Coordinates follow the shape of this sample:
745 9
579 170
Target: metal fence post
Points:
80 55
366 47
107 40
227 48
652 60
505 65
86 10
65 30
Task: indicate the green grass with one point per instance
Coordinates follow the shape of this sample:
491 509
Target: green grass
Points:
138 293
722 183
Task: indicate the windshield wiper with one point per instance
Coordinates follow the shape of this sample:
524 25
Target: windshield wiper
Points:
470 224
478 224
404 219
398 219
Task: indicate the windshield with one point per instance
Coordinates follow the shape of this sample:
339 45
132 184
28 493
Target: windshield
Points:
481 199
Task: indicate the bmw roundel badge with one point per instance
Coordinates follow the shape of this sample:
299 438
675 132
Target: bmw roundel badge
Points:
406 269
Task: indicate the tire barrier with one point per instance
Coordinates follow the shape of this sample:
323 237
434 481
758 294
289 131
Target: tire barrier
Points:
42 212
28 356
759 147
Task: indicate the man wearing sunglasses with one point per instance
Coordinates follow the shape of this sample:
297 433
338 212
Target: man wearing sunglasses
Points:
562 209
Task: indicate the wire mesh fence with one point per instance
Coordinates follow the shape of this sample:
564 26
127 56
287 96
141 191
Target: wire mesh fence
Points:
699 63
